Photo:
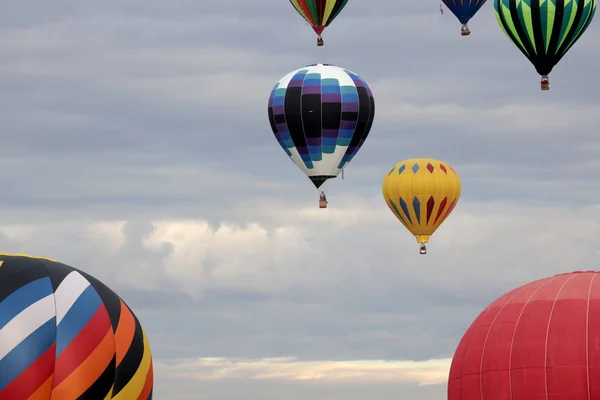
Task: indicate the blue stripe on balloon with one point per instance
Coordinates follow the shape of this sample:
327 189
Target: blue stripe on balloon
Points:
417 208
349 98
77 318
278 100
23 297
26 352
315 153
405 209
346 133
330 89
311 82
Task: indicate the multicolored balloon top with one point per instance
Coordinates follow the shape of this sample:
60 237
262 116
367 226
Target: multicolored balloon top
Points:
321 115
65 335
319 13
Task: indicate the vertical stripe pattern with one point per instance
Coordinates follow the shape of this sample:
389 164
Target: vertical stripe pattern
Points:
544 30
319 13
540 341
65 336
321 116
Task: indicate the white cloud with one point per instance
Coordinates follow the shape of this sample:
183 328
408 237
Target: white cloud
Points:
106 234
231 255
428 372
281 248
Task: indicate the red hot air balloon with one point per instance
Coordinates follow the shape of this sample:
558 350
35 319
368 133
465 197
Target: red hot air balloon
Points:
538 342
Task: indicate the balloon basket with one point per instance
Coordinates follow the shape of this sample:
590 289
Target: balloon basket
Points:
322 203
319 42
545 85
465 32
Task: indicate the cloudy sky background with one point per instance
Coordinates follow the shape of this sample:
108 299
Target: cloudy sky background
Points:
135 145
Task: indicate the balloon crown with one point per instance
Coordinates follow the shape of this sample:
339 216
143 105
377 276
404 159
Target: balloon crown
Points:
325 65
579 272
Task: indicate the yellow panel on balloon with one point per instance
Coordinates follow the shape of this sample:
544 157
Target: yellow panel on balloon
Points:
421 192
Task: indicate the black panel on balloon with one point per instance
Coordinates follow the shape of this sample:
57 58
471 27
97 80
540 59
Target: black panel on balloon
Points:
311 115
332 115
364 111
279 119
17 272
371 117
349 115
292 104
272 120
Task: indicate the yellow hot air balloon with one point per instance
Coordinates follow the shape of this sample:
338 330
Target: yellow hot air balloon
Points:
421 192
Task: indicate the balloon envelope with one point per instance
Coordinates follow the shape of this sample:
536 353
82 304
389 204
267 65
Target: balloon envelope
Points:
319 13
544 30
539 341
65 335
421 192
464 10
321 115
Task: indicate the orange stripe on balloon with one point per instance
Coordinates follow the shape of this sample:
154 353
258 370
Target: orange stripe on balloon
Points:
148 385
44 391
125 333
88 371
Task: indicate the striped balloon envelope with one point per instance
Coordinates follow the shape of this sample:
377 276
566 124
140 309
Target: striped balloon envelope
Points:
544 30
64 335
319 13
321 116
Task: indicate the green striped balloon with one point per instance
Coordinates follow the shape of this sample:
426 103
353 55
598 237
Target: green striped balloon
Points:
544 30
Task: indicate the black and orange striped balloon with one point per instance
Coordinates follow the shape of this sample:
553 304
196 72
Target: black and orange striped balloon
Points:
64 335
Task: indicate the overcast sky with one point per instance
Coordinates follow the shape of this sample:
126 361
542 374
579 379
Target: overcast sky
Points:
135 145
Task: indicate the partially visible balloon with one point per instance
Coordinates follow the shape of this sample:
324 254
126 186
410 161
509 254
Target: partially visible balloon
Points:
421 192
319 13
321 115
544 30
464 10
540 341
65 335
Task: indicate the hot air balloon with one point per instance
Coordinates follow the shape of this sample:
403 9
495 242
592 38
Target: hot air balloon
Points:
544 30
539 341
319 13
421 192
464 10
321 115
65 335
